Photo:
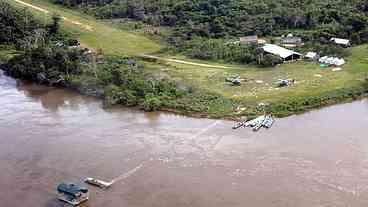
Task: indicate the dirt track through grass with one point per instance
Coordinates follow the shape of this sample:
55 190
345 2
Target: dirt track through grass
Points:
92 32
186 62
87 27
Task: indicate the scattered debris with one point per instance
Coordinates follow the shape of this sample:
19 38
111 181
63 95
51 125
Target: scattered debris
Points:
262 41
87 51
98 183
72 194
318 75
59 44
240 109
131 62
336 69
259 81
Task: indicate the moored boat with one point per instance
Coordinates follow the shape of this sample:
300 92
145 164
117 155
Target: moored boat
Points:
98 183
269 121
238 125
265 121
72 194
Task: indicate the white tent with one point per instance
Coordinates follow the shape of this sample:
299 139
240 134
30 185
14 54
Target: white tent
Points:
332 61
323 59
311 55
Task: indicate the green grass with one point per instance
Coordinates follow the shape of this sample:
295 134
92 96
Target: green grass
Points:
111 40
308 84
6 52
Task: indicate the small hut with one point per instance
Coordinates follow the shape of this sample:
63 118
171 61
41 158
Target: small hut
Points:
291 41
253 39
342 42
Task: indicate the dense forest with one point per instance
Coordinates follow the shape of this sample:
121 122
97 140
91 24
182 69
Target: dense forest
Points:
15 24
193 22
221 18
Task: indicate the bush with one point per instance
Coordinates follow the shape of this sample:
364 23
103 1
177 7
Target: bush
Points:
117 95
151 103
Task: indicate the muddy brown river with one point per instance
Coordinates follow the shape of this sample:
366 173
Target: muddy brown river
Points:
49 135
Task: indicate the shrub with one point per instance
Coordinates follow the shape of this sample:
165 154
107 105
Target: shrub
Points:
151 103
117 95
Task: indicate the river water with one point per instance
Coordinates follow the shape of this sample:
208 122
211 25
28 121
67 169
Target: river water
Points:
50 135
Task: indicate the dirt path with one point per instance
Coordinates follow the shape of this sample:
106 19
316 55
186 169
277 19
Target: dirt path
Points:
84 26
186 62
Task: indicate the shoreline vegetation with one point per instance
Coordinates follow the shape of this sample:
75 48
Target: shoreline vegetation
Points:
46 54
205 102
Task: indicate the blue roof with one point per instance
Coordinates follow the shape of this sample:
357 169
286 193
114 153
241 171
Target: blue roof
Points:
71 188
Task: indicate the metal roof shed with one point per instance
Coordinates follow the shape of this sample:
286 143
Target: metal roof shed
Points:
283 53
249 39
339 41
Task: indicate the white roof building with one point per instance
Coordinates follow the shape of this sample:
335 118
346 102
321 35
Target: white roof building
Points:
284 53
340 41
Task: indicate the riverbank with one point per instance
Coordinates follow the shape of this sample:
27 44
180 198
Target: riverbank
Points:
201 103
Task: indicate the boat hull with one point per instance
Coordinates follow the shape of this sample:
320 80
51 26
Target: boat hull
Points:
72 202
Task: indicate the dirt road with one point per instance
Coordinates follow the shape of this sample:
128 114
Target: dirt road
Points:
185 62
84 26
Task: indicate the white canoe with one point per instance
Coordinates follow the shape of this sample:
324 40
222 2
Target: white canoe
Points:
98 183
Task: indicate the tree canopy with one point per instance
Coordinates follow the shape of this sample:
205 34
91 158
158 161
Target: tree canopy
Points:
220 18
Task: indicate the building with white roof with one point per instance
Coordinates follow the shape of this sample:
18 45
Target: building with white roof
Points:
339 41
283 53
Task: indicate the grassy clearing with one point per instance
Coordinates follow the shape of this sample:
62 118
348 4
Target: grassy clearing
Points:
260 87
111 40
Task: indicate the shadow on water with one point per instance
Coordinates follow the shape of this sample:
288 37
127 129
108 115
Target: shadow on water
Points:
52 98
56 203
